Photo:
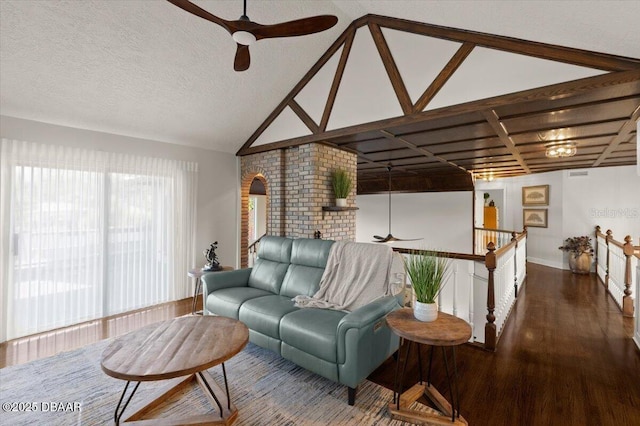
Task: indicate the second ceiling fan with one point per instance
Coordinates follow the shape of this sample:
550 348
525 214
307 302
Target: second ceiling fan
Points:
390 238
245 32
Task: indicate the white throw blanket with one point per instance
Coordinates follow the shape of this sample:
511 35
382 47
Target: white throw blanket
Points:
356 274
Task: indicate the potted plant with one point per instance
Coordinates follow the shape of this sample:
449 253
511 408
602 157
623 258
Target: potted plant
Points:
342 185
580 252
428 272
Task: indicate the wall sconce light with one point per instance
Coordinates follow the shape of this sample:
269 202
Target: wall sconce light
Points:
560 149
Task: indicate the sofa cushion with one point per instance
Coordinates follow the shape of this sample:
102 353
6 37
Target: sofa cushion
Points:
263 314
226 302
310 252
276 249
269 269
313 331
308 260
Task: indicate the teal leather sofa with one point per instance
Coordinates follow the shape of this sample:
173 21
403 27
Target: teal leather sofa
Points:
343 347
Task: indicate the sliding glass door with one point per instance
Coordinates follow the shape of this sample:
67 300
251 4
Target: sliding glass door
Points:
91 234
57 248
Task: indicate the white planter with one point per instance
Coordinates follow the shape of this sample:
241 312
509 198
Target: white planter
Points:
341 202
425 312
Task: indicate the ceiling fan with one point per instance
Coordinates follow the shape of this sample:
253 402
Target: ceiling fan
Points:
390 237
245 32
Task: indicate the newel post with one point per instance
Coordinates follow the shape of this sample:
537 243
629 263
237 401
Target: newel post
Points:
627 300
606 277
490 334
514 237
596 249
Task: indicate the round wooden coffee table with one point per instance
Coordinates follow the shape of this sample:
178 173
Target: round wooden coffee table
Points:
447 330
181 350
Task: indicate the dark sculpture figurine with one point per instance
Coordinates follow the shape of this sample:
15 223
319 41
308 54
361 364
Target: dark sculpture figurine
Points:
212 258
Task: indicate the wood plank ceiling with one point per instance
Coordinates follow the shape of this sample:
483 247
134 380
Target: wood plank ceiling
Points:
445 148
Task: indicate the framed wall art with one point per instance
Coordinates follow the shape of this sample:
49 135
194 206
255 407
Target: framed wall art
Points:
535 195
534 218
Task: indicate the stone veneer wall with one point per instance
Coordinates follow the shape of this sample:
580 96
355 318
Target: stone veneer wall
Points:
298 183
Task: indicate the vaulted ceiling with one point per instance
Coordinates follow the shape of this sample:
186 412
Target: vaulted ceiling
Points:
150 70
494 118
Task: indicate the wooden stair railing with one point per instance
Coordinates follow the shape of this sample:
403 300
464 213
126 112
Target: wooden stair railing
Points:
253 250
504 275
629 252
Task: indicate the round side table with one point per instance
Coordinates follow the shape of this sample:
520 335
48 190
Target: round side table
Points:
447 330
197 274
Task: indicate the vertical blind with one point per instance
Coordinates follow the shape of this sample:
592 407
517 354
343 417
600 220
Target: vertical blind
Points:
86 234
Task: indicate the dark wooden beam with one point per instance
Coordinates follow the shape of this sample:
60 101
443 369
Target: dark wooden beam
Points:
337 78
552 52
392 69
622 136
422 151
417 182
454 63
298 87
494 121
556 91
302 115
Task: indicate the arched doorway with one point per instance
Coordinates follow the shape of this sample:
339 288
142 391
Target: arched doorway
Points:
257 210
255 213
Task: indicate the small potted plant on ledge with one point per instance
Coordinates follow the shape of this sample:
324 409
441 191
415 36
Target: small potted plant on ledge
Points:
428 273
580 252
342 185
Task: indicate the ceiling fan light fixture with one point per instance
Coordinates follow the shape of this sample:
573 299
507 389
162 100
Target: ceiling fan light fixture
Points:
244 37
559 150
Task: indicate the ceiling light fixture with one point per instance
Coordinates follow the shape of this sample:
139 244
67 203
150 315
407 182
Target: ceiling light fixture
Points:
560 149
244 37
487 176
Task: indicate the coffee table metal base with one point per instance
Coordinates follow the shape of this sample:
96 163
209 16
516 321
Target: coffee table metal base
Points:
226 412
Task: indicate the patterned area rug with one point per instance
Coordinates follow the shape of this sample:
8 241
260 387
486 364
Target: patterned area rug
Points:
71 389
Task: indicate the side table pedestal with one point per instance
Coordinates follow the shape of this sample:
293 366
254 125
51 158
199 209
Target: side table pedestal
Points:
447 330
411 395
197 274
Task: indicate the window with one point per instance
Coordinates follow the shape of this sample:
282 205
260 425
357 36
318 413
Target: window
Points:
87 234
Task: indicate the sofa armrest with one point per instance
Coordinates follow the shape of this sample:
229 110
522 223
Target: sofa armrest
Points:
218 280
364 317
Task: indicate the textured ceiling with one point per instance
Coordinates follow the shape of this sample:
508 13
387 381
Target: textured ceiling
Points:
148 69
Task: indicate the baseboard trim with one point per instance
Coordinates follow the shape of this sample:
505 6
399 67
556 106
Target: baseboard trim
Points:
546 262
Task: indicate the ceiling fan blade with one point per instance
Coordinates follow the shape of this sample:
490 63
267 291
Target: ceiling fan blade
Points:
198 11
242 60
391 238
385 239
299 27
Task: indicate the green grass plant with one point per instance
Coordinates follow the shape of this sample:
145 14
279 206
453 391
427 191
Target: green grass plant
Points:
342 183
428 271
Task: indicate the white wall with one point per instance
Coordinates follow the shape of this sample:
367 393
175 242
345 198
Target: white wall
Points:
217 175
608 196
443 219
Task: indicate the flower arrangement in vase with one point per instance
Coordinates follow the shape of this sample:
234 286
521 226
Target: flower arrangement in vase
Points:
580 252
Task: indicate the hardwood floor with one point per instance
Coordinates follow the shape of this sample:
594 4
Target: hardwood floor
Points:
49 343
565 356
